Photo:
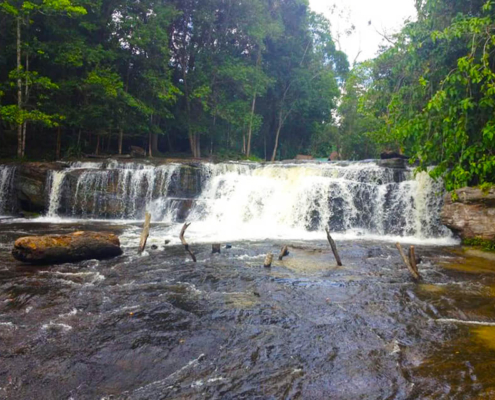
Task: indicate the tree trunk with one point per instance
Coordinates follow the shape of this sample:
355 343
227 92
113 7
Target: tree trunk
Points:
24 132
26 95
79 138
154 143
169 141
150 150
97 150
59 143
279 128
197 141
19 87
250 130
109 141
121 139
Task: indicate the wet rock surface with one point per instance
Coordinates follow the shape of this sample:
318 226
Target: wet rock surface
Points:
75 246
158 326
472 215
30 185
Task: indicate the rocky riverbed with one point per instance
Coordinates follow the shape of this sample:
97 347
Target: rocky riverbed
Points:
158 326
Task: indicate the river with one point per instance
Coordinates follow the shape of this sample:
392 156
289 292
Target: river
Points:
158 326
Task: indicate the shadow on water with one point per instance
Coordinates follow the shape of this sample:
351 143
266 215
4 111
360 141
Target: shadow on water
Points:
158 326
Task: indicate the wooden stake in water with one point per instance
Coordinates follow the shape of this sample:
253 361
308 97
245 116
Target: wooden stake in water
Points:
334 248
413 272
145 233
284 252
268 260
183 240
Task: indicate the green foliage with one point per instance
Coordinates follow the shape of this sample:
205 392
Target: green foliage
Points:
432 92
199 75
488 245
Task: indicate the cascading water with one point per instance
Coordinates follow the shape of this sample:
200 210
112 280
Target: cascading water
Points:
7 175
300 200
252 201
111 190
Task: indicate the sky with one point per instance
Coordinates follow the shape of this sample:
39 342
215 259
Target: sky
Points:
386 16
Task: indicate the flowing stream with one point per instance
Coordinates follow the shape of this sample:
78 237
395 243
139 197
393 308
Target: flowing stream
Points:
158 326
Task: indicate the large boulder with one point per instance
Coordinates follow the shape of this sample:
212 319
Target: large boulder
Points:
66 248
138 152
472 215
30 185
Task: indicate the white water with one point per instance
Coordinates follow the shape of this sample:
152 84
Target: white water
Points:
297 201
110 190
249 201
7 174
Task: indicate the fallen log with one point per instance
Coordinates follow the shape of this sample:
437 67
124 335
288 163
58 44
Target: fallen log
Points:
215 248
186 246
51 249
414 274
284 252
334 248
268 260
145 233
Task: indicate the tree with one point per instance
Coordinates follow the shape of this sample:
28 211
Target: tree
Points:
21 12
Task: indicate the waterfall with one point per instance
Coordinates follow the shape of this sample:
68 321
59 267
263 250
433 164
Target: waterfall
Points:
232 201
111 190
358 199
7 175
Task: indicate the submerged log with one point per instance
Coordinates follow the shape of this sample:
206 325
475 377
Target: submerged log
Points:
183 240
268 260
413 272
66 248
145 233
215 248
334 248
284 252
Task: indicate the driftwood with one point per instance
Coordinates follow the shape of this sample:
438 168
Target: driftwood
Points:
215 248
145 233
186 246
268 260
334 248
284 252
409 266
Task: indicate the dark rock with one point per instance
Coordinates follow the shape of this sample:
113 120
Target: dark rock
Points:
30 185
228 246
154 247
137 152
167 241
386 155
399 163
472 215
66 248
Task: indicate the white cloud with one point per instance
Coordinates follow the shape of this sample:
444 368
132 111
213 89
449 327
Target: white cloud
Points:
386 16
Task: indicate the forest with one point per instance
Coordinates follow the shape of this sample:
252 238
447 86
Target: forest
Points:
257 79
